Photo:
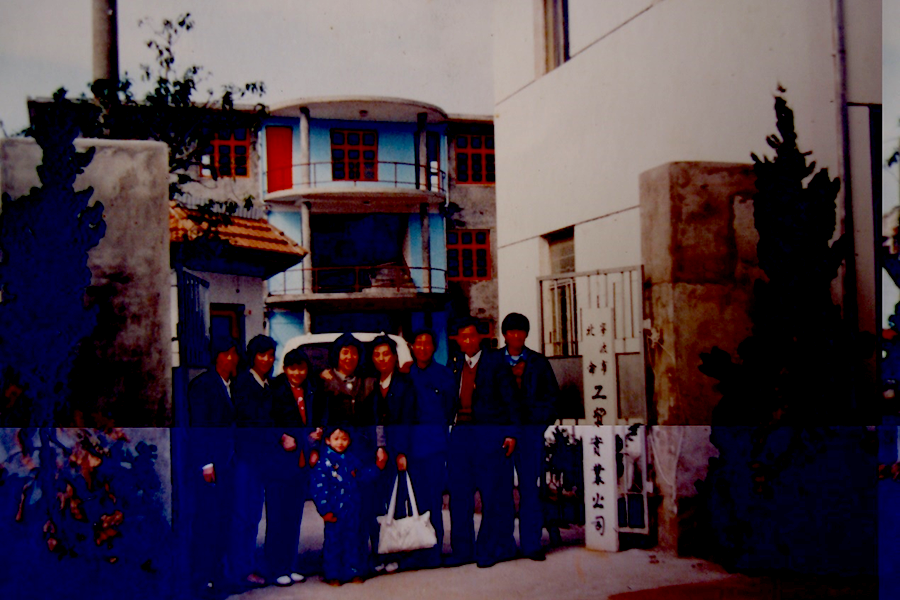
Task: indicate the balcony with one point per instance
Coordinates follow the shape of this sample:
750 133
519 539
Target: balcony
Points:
353 186
378 287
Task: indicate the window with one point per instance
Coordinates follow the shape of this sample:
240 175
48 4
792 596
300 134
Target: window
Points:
562 255
559 300
354 155
227 154
556 33
468 254
560 309
475 158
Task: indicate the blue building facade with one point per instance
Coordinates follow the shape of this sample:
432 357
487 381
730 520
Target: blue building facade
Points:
363 184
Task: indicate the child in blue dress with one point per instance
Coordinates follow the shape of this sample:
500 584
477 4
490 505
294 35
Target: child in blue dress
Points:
335 487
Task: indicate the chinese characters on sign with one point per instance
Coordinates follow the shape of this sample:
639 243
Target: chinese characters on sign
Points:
600 487
599 436
598 357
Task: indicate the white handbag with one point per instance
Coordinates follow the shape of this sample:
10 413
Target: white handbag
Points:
414 532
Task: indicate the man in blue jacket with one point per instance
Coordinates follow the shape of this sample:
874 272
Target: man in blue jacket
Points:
435 400
210 490
482 442
536 393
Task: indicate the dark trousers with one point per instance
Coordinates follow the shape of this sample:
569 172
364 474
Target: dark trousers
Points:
529 459
344 553
285 498
372 498
209 506
248 504
477 460
428 475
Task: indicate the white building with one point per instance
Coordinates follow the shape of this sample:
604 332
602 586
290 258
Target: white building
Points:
590 95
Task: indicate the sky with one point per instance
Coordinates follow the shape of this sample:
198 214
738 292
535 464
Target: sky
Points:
435 51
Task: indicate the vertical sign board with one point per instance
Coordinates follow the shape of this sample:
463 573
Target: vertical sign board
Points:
599 438
600 487
598 358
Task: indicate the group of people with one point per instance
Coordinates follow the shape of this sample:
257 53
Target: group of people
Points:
342 437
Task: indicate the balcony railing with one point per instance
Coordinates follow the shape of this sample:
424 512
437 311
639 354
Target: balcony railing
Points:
350 280
367 175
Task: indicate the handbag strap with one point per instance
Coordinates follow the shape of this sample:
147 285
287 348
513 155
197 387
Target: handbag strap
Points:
392 507
412 496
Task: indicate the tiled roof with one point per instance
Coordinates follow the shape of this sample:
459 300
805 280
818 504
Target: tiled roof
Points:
252 234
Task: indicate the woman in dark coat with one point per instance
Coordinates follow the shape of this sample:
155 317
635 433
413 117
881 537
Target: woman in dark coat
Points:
298 414
257 449
394 402
348 397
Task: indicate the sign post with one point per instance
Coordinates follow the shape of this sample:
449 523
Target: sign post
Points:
599 438
599 367
600 487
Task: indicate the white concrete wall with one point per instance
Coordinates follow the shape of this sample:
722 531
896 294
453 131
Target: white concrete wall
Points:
237 289
520 267
609 243
655 81
685 80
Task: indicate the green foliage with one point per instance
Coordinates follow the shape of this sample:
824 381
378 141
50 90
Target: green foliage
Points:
795 366
45 237
173 110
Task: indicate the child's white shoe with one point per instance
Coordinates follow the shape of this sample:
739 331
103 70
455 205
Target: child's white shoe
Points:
391 567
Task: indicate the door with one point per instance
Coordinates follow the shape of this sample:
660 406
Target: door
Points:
279 158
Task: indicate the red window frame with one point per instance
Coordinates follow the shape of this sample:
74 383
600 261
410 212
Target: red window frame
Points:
469 254
354 155
475 159
228 154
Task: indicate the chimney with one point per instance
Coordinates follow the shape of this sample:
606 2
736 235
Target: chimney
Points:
106 41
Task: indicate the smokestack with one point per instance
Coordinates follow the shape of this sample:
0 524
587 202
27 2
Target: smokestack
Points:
106 41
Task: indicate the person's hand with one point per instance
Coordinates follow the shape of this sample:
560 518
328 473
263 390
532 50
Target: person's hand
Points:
326 375
209 474
510 445
313 458
316 435
401 462
329 518
381 458
288 443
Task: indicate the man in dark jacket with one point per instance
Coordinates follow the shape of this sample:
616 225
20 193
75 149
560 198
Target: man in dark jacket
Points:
298 414
435 399
210 489
480 456
257 450
536 393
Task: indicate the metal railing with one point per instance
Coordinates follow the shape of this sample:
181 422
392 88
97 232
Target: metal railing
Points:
359 174
357 279
564 295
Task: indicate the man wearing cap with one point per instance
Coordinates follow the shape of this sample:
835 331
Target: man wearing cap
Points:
536 393
211 465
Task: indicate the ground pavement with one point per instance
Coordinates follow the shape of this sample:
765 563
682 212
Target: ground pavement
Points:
570 572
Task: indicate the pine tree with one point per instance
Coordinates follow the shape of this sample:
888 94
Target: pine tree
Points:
795 366
45 237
